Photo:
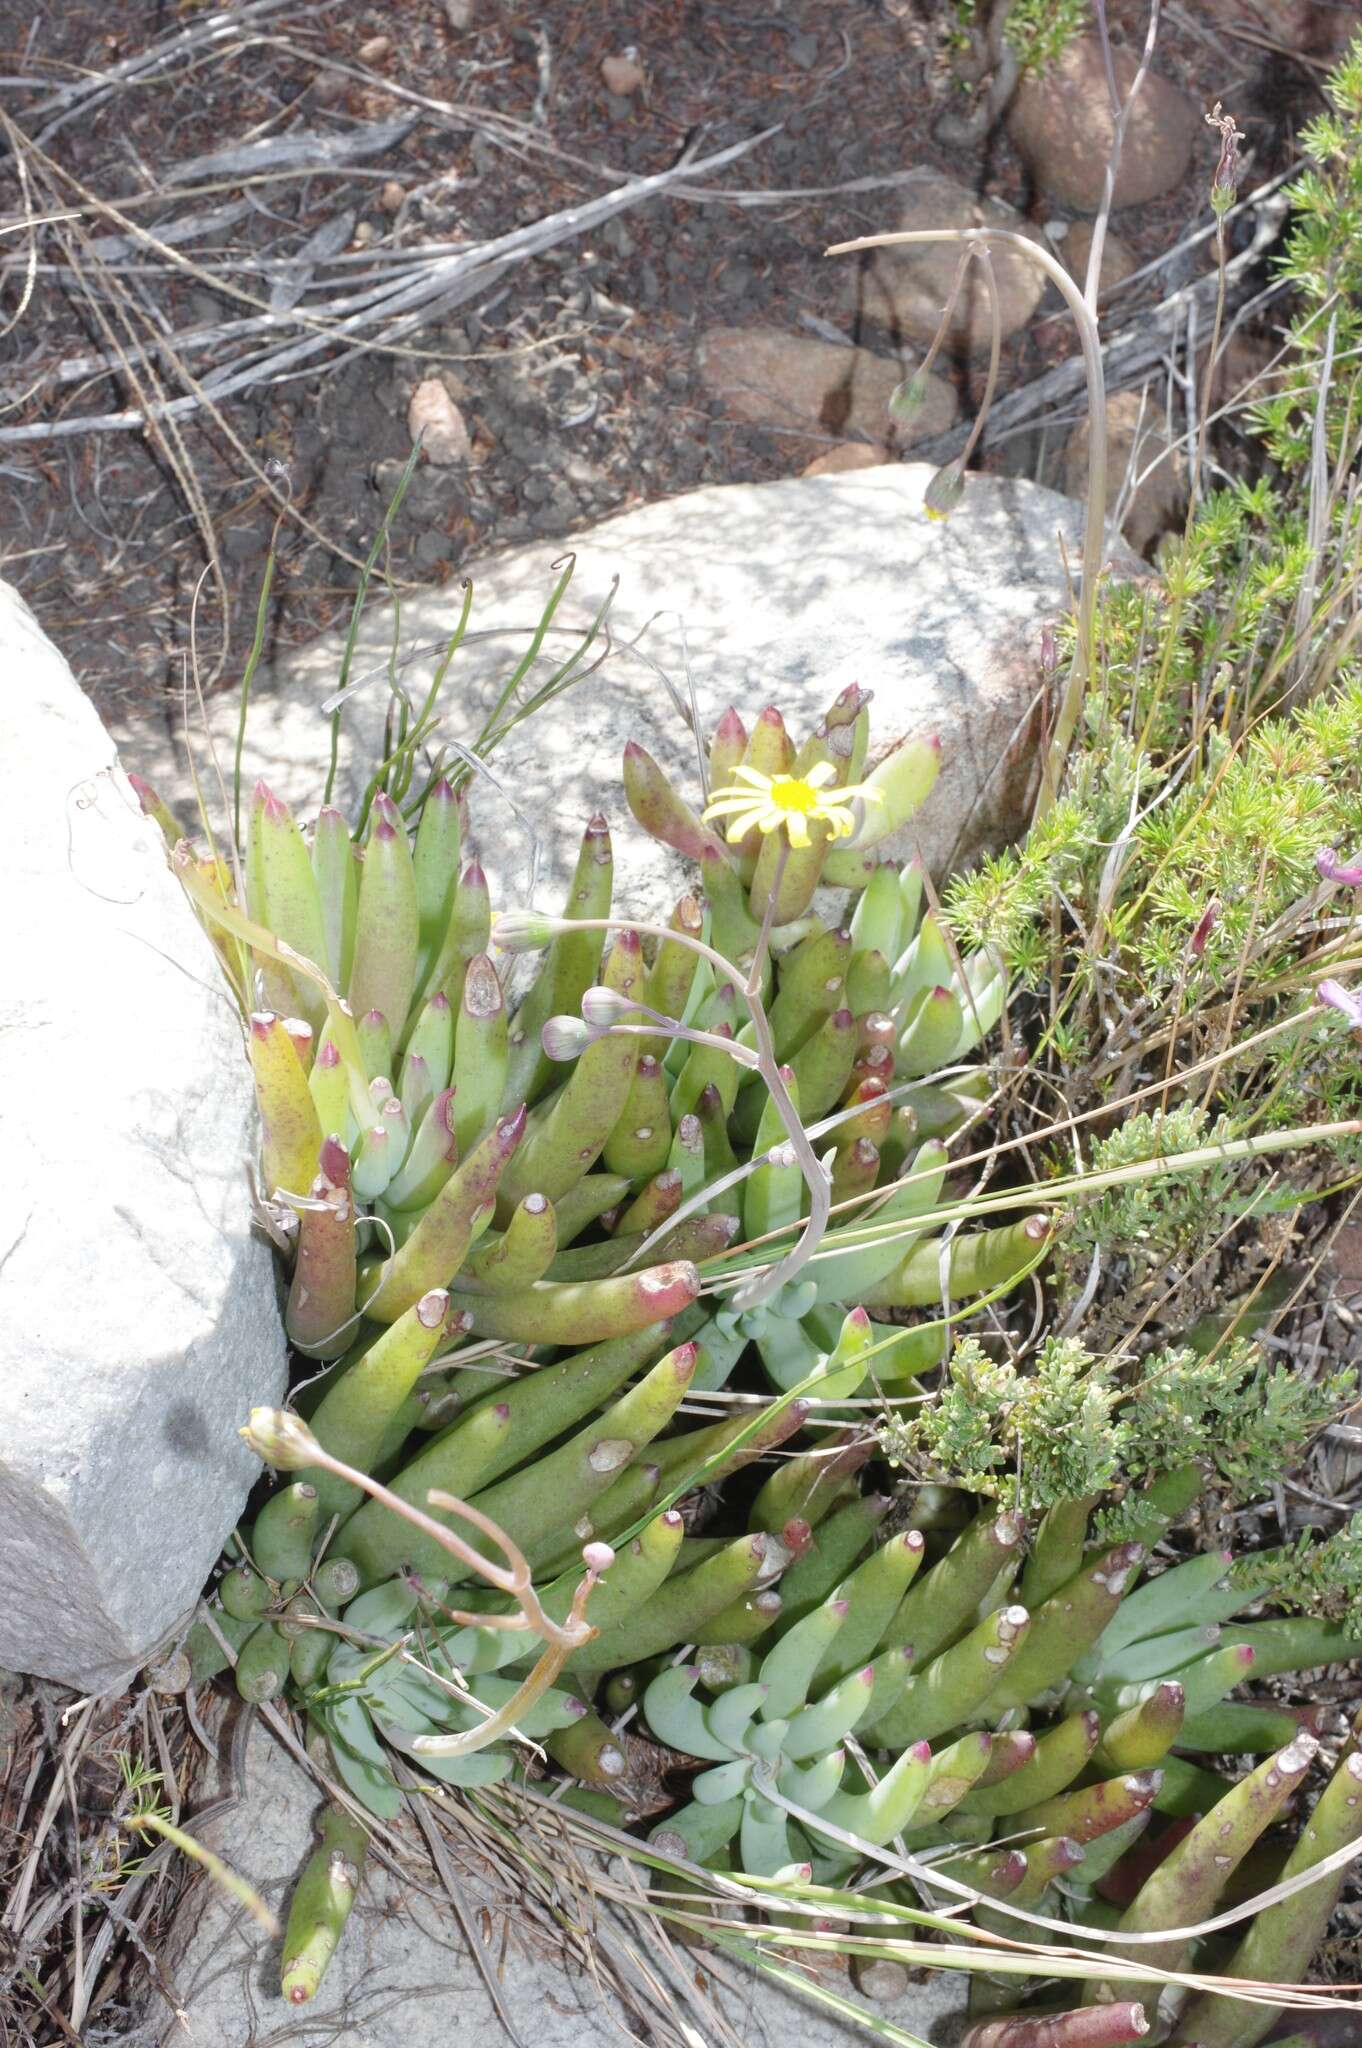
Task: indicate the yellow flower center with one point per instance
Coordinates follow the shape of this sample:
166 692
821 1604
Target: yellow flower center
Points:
793 793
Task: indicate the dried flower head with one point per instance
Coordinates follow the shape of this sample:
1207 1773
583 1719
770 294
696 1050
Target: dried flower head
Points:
945 491
281 1438
1225 180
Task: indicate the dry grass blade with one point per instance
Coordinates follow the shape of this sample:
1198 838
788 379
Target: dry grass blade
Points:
231 1882
370 315
211 31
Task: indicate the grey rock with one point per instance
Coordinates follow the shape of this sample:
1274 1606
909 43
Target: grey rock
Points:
736 279
243 543
788 591
404 1976
138 1318
433 547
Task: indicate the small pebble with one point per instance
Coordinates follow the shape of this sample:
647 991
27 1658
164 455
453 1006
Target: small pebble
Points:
735 280
385 476
435 420
623 74
391 195
459 15
433 548
376 47
243 543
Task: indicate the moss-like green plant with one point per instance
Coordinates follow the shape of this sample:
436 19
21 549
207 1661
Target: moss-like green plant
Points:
1036 31
1073 1427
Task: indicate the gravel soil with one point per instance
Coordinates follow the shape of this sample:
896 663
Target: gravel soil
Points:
575 371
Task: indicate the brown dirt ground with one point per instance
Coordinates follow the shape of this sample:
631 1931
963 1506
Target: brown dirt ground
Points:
577 371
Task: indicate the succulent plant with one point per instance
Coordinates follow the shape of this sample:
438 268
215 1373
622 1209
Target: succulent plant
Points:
457 1208
1023 1749
321 1903
416 1134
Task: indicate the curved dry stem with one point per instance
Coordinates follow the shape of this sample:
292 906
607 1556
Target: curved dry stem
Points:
503 1721
1094 530
284 1440
1121 112
1127 1965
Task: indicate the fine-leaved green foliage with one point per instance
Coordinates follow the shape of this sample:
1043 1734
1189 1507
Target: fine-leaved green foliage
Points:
1315 1577
1075 1424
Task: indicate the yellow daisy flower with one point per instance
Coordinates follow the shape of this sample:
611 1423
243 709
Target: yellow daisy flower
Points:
767 802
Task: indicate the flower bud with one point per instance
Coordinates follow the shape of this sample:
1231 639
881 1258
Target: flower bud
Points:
1335 997
563 1038
281 1438
602 1007
525 931
907 399
945 491
1332 869
1205 925
1049 651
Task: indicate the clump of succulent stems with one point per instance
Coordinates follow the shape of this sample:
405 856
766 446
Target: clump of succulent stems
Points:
464 1560
285 1442
442 1194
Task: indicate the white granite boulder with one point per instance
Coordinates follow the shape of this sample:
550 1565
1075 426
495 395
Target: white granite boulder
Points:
786 592
138 1319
